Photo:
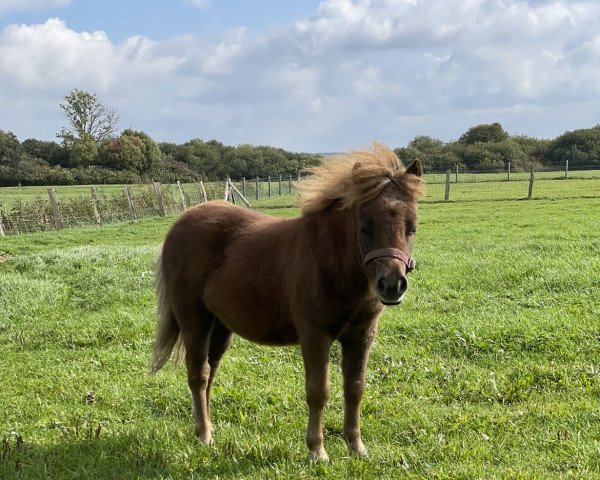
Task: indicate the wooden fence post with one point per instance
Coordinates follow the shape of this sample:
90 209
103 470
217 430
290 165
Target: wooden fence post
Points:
243 197
508 170
203 191
244 187
130 202
257 187
531 183
55 211
280 184
159 199
290 183
456 178
183 202
1 226
95 207
269 191
227 189
447 192
566 167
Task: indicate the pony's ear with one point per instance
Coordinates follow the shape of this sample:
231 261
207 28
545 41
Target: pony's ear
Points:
355 171
415 168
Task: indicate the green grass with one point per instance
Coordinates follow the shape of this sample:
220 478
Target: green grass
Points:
491 368
9 196
547 183
557 174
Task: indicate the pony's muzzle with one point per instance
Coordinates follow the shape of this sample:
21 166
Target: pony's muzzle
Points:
391 289
390 274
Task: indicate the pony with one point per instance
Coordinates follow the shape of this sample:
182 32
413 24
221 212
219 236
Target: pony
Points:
322 277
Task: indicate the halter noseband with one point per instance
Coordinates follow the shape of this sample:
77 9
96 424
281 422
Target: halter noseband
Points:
394 253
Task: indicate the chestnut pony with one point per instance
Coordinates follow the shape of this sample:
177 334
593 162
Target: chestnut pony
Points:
311 280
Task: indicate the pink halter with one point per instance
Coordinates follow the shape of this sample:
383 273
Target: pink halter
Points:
394 253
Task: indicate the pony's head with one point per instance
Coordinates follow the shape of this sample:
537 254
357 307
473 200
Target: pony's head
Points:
387 225
382 194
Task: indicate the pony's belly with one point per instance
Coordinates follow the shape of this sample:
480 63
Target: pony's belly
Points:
281 335
264 325
261 329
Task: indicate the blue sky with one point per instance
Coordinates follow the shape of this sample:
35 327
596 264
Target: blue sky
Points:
163 19
304 75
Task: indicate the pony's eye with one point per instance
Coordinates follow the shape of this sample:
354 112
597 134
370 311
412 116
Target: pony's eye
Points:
367 229
411 229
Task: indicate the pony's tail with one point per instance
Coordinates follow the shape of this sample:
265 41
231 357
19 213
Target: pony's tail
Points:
167 330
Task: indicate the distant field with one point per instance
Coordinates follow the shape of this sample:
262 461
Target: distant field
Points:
491 369
467 177
469 187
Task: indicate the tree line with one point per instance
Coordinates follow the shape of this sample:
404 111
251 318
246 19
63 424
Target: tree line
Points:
488 147
90 151
134 157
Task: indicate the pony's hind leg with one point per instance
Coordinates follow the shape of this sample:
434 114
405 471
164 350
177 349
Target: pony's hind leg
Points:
220 339
195 334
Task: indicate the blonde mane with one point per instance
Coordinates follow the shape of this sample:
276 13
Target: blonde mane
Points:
354 177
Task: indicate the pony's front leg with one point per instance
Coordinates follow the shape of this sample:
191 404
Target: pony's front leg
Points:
315 354
355 353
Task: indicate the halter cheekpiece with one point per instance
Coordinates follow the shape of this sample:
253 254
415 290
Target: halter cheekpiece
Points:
391 252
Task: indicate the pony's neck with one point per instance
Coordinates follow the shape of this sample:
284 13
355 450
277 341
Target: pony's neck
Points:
339 230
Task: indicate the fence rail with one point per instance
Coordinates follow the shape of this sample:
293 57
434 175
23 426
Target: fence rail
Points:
56 208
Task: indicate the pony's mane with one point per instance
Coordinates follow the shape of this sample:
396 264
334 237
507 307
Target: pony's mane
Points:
353 177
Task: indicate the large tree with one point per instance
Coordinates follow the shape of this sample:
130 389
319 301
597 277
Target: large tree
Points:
485 132
578 146
10 148
88 118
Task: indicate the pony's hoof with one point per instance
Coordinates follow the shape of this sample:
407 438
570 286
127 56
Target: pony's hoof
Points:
208 442
205 438
358 449
318 455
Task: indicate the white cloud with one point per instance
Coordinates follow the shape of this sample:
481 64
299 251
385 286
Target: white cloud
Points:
352 72
50 55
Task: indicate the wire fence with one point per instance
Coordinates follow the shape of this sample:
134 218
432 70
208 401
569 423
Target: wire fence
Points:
31 209
509 172
22 212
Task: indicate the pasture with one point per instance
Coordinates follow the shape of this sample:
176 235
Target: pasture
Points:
490 369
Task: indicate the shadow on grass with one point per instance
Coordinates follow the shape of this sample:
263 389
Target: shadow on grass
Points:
129 456
109 457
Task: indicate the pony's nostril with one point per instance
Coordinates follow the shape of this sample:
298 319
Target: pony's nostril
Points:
381 286
402 285
391 288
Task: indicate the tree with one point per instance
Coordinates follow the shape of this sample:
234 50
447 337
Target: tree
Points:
578 146
87 117
10 148
51 152
486 132
426 144
83 152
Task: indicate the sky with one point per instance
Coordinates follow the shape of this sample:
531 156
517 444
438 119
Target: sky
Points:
304 75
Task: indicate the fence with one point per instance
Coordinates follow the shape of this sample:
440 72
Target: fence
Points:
465 173
50 209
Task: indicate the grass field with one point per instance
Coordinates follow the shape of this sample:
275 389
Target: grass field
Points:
490 369
470 186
